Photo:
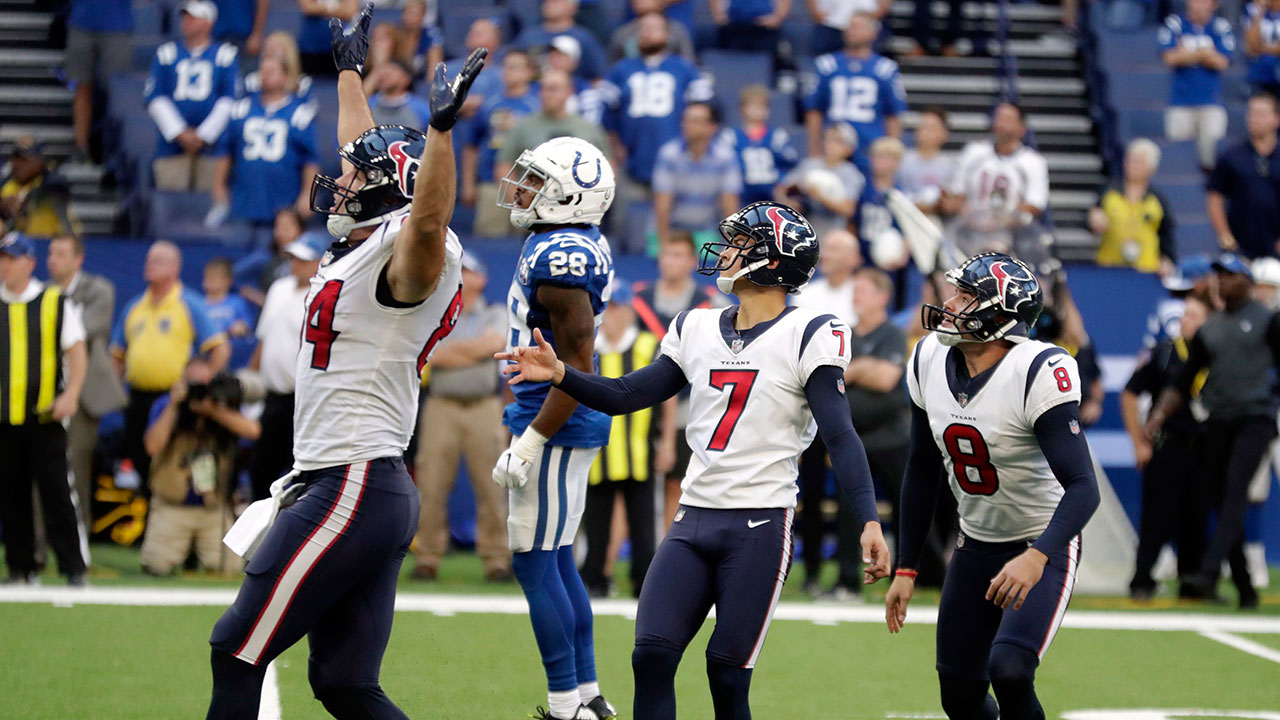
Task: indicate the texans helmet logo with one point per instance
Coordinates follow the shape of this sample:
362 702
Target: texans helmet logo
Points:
406 166
784 227
1004 272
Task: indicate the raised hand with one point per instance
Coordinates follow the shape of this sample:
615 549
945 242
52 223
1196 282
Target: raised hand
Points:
350 48
446 97
534 364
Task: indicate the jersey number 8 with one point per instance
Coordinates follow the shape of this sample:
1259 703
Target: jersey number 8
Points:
968 449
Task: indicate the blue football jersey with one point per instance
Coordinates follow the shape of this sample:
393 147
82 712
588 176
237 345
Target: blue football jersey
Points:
487 130
226 313
873 215
1264 69
268 148
576 258
643 104
194 82
762 160
1196 84
859 92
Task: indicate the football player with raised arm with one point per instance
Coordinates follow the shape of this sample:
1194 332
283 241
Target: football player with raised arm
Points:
386 292
761 374
559 191
1001 415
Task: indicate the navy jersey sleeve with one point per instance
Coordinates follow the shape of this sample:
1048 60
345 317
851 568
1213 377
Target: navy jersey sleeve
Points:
921 485
1064 446
638 389
825 392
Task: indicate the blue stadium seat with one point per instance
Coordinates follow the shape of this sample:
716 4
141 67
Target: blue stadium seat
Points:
782 108
1184 196
456 20
1177 158
146 19
1133 89
284 16
1133 51
144 50
180 217
731 71
1140 122
1196 237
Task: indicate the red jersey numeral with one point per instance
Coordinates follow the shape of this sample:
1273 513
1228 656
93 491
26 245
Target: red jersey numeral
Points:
976 456
840 334
741 380
447 323
318 330
1063 377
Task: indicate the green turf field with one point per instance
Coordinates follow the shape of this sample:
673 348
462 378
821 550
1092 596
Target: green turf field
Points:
84 660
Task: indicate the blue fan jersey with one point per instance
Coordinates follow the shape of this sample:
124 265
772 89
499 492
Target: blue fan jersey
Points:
489 128
1264 69
230 310
268 148
194 82
873 216
644 103
1194 85
576 258
859 92
762 160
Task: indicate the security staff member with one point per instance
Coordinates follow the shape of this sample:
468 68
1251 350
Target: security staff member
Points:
42 369
1173 506
625 465
1240 346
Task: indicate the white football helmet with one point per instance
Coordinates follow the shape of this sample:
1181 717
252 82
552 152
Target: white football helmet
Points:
570 179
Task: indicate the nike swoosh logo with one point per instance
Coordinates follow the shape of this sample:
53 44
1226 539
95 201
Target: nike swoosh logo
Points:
756 523
1055 360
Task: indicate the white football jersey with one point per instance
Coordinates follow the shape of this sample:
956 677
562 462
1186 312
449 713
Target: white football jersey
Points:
990 180
360 363
749 420
985 429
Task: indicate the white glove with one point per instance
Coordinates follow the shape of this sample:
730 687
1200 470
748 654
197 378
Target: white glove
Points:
512 470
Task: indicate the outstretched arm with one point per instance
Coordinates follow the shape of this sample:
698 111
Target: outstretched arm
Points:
349 51
418 257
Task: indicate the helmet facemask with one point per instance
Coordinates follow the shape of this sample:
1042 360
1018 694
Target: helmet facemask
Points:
980 320
539 186
716 257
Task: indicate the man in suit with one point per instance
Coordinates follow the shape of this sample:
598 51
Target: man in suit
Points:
103 392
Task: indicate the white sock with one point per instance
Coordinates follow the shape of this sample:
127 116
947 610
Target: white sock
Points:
588 691
564 704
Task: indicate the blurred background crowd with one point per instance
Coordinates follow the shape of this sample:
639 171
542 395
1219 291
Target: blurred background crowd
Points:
1121 142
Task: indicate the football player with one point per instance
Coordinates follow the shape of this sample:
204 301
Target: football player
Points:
1001 414
559 191
761 373
386 293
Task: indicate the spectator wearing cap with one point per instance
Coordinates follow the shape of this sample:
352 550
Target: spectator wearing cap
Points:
557 19
35 200
827 186
1243 193
1131 218
1239 347
42 337
98 47
565 54
625 41
279 335
256 177
623 471
230 313
103 393
393 101
695 180
314 39
155 336
189 95
1174 506
462 418
552 121
1192 277
484 137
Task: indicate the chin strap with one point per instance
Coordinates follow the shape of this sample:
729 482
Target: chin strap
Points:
340 226
725 284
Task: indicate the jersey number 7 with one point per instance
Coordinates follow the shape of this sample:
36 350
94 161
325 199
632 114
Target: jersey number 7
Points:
741 382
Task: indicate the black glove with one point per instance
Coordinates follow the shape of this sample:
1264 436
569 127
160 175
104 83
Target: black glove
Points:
446 98
350 49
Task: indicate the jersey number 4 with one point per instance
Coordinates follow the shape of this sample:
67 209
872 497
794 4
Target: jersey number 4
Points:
318 330
741 382
968 449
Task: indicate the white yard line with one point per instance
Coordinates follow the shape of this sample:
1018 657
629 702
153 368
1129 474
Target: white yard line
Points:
444 604
1243 645
269 708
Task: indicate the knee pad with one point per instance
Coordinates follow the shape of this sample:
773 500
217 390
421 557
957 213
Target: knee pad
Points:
650 658
965 698
1011 663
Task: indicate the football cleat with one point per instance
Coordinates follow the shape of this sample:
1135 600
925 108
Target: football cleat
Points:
602 709
583 713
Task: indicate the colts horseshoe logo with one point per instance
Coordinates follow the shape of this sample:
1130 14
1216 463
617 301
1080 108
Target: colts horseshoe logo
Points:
577 160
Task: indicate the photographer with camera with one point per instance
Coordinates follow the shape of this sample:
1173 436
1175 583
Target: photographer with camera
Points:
192 440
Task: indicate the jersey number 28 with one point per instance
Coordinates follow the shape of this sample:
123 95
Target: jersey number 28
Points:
968 449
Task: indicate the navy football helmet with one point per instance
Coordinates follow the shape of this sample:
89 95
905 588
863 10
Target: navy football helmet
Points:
1005 292
388 157
776 232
